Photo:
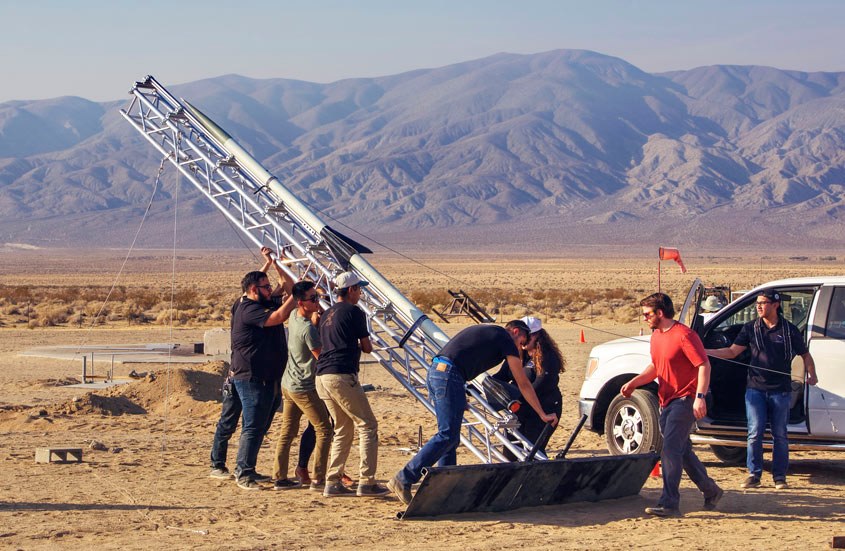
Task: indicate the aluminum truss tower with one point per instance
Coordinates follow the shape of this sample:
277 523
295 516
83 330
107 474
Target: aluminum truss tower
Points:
252 199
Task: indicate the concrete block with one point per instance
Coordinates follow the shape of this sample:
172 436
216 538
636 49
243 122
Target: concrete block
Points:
58 455
217 342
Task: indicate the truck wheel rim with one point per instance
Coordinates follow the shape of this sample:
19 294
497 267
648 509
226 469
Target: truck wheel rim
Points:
628 429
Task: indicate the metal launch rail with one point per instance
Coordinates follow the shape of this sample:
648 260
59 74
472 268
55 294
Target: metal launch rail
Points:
256 202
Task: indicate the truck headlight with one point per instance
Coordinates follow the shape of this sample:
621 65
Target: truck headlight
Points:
592 365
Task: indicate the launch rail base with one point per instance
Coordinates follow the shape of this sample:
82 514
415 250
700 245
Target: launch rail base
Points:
506 486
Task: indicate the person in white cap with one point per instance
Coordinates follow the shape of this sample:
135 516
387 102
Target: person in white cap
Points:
709 307
543 363
344 335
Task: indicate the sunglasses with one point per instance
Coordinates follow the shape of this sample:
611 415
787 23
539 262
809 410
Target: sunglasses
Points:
268 287
315 298
649 315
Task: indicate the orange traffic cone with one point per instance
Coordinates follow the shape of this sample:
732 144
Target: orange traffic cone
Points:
582 339
655 472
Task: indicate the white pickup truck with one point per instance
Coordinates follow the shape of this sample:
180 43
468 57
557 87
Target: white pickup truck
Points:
816 305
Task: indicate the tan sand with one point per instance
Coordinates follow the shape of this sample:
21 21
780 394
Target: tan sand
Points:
149 489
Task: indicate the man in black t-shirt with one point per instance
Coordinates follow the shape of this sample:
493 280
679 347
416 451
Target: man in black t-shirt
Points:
774 343
259 353
469 354
344 334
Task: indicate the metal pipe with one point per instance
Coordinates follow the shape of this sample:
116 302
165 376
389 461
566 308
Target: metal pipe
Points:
572 436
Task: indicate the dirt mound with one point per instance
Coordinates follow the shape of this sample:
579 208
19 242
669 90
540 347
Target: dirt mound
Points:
193 391
102 405
49 383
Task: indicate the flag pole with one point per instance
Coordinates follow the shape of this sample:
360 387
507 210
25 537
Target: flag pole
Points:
658 270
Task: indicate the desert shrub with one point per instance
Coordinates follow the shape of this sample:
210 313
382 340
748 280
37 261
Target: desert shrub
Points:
144 297
16 293
48 315
549 303
428 298
163 317
77 319
185 297
94 308
179 317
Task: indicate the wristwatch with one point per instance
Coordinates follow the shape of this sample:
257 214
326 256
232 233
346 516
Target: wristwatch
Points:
699 395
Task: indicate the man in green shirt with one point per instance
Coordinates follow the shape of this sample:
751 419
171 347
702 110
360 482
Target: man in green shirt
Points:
299 390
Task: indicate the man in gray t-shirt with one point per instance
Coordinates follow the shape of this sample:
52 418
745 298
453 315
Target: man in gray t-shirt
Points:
304 339
298 390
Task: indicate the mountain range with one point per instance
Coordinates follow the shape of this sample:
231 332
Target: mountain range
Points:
569 147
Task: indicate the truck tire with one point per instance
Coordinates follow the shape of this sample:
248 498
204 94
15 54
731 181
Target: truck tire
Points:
631 424
732 455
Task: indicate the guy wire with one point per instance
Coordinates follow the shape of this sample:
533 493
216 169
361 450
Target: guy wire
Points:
640 338
394 251
128 253
172 302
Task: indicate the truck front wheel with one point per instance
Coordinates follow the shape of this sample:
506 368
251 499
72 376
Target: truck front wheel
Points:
630 425
729 454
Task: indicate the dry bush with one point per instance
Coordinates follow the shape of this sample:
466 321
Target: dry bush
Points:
50 314
551 288
144 297
163 317
77 319
16 293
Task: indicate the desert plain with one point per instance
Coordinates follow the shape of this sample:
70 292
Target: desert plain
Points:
148 487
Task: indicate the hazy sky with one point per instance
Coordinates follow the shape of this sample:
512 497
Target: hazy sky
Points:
97 48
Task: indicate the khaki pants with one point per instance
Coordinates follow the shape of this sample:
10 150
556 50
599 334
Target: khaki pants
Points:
349 407
295 405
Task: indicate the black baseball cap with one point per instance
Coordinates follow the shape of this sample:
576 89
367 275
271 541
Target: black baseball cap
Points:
770 294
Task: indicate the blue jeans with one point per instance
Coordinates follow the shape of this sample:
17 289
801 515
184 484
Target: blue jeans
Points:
760 406
257 401
447 390
676 421
226 426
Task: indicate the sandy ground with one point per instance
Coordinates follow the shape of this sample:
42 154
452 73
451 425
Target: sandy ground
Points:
150 489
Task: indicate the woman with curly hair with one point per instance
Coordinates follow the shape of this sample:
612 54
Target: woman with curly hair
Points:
543 364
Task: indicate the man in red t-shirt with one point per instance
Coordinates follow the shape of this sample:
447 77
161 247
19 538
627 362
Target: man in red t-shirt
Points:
680 365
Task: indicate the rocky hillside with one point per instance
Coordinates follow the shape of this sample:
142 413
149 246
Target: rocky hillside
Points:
574 146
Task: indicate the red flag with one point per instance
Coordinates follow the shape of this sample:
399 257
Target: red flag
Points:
667 253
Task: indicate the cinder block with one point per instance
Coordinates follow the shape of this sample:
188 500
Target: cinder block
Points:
217 342
58 455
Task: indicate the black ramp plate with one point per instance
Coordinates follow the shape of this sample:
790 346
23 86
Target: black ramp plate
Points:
506 486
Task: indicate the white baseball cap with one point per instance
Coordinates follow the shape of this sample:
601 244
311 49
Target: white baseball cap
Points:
348 279
534 324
